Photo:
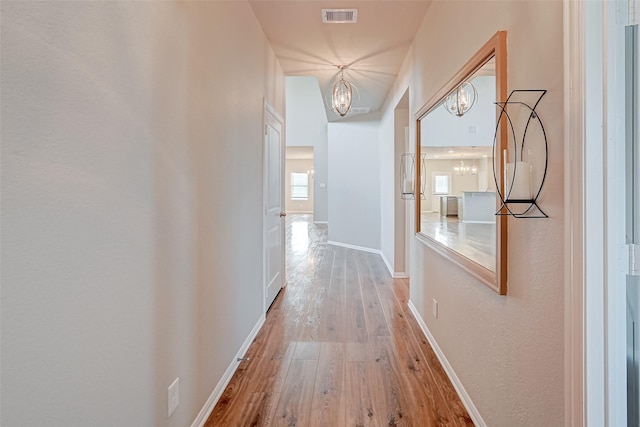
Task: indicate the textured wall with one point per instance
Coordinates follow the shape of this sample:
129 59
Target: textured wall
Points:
506 350
130 130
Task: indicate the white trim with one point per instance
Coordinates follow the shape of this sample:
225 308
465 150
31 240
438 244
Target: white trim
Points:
594 207
321 222
271 109
358 248
387 263
298 212
398 275
615 217
224 381
464 396
574 277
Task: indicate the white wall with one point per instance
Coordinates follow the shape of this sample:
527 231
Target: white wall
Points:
507 351
392 206
121 160
387 188
354 182
306 124
300 166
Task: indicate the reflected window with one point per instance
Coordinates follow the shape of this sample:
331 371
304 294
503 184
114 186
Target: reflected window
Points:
441 184
299 186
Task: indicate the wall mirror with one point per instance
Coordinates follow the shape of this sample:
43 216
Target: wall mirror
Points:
458 146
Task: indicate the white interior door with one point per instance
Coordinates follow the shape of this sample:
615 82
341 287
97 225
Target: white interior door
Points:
632 175
274 276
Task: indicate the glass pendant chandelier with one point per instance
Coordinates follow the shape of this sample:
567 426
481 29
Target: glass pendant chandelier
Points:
342 93
461 100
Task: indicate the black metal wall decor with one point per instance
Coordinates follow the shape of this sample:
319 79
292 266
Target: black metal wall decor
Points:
407 172
525 162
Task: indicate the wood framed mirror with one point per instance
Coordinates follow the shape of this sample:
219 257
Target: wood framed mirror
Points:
459 167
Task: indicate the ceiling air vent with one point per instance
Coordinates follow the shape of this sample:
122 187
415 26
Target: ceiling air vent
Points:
339 16
360 110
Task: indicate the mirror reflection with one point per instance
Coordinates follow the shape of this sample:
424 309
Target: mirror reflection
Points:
458 200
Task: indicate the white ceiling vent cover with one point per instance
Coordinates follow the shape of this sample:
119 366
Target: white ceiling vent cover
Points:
339 16
360 110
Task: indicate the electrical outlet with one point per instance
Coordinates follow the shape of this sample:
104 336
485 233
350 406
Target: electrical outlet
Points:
435 308
173 396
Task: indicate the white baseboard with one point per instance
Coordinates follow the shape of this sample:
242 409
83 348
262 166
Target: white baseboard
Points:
388 264
395 275
321 222
224 381
358 248
398 275
464 396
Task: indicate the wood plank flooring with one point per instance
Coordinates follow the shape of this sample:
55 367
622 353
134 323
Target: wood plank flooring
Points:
339 348
475 241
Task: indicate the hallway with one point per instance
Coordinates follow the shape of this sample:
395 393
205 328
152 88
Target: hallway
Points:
339 348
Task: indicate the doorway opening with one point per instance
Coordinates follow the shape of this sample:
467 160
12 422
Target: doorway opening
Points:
299 176
402 208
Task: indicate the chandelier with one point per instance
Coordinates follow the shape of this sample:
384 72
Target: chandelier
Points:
342 92
462 169
461 100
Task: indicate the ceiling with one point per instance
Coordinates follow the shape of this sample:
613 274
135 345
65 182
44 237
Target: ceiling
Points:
373 48
456 153
299 153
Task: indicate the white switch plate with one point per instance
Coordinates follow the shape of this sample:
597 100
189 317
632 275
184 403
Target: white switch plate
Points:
173 396
435 308
323 185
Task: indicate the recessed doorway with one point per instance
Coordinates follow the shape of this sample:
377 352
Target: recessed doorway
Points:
299 180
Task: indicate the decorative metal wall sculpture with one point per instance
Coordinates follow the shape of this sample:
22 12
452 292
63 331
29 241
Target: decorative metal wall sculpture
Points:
525 163
407 172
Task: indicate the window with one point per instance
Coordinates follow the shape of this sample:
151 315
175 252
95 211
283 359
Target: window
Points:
440 183
299 186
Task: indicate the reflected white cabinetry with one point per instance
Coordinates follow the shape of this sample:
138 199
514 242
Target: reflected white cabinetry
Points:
478 206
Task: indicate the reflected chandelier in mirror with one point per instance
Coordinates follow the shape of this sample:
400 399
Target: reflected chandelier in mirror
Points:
456 131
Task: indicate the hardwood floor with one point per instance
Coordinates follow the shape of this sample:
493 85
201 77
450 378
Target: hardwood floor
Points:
475 241
339 348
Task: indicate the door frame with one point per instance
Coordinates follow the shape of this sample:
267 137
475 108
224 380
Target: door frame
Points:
574 276
592 244
269 109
